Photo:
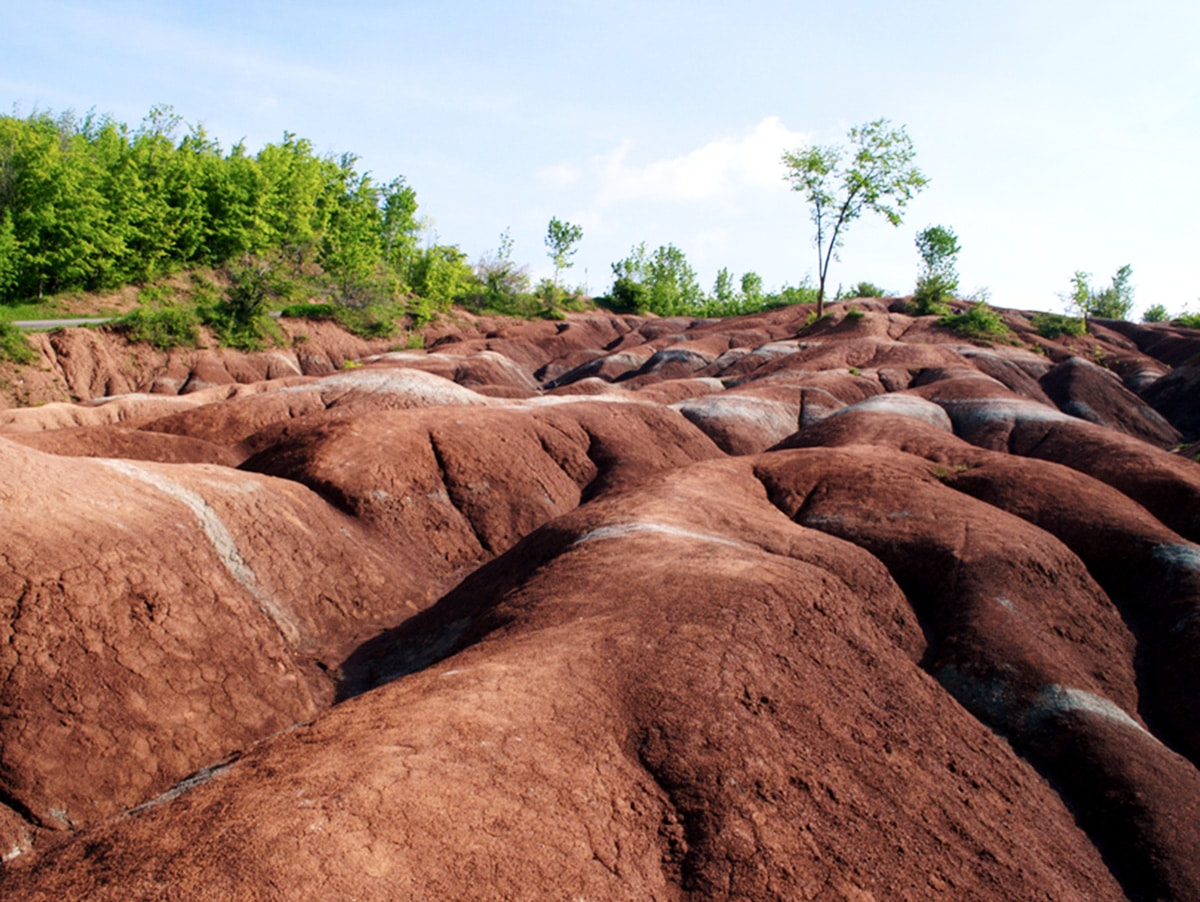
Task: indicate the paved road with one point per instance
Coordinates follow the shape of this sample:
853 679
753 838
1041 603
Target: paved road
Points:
39 325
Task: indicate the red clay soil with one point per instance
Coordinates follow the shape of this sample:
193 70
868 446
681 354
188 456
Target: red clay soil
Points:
608 608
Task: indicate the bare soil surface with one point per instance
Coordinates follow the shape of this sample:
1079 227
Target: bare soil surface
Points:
615 607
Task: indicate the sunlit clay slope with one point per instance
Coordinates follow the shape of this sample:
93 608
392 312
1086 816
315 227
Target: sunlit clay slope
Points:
615 608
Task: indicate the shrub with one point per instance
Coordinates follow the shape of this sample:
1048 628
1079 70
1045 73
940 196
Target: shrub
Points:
1054 325
977 321
309 311
162 328
1188 320
239 320
1156 313
1113 302
938 281
367 322
14 346
927 301
861 290
854 314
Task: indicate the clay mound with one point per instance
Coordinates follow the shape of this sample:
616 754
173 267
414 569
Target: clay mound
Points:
157 623
232 422
612 607
488 371
448 492
745 422
1177 397
1085 390
130 444
586 742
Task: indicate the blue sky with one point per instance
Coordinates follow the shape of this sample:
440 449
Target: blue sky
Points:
1057 135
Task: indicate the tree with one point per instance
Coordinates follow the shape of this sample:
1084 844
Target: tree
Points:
502 281
752 288
723 290
663 283
399 224
561 239
1113 302
938 247
879 178
1155 313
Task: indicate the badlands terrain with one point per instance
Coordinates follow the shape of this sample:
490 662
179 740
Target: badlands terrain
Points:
610 608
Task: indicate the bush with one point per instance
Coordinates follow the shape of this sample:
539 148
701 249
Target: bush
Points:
309 311
162 328
978 321
928 300
1054 325
1156 313
938 281
790 295
367 322
14 346
862 290
1113 302
1188 320
240 320
628 296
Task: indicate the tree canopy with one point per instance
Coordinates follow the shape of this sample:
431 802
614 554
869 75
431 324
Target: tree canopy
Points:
878 176
91 204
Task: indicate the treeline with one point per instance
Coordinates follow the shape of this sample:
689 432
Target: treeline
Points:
663 282
88 203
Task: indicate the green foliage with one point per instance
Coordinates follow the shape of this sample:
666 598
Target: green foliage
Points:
938 279
561 240
503 286
862 290
1155 313
1054 325
879 178
1113 302
310 311
376 321
854 314
161 327
662 282
977 321
14 346
790 295
928 305
9 273
1188 320
91 204
440 276
723 290
239 320
752 289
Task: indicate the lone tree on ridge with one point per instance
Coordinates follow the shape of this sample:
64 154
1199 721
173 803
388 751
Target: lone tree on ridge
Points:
561 240
880 177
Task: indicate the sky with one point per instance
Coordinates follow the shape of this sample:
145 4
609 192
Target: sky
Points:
1057 135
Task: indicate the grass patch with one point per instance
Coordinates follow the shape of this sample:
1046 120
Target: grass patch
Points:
1188 320
979 321
309 311
927 305
162 327
1055 325
14 346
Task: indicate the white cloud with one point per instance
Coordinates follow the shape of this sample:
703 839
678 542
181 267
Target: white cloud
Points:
562 174
719 172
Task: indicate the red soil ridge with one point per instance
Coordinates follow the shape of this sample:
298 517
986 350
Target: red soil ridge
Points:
607 608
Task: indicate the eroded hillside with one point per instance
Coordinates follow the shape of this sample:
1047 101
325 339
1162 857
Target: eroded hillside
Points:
609 608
